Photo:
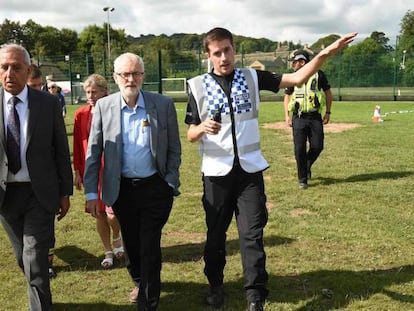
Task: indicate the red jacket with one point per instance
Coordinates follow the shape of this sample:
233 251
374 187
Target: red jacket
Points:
81 130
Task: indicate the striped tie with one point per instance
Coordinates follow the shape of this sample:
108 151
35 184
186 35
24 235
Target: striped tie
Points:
13 137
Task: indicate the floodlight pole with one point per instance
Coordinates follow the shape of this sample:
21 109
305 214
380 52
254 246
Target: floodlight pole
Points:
395 67
402 68
108 9
403 60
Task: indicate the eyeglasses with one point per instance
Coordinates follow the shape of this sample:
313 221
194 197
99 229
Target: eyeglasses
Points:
126 75
51 87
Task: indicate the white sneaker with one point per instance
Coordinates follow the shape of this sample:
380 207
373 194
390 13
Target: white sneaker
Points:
303 185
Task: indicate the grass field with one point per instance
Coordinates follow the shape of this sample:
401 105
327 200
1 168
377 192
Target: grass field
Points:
345 243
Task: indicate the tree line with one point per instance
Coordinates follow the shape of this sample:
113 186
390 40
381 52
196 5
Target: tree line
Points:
373 61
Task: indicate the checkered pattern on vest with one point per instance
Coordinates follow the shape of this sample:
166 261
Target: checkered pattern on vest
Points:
216 97
240 93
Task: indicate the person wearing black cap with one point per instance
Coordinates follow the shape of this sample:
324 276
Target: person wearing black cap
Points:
305 103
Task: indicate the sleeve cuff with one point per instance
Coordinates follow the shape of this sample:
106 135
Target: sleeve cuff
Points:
91 196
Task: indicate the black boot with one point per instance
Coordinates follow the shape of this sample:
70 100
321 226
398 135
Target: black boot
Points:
215 296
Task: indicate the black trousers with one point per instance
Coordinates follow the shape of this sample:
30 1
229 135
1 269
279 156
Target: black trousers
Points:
243 194
142 209
307 127
30 229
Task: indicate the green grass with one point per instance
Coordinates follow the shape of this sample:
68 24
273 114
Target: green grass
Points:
346 243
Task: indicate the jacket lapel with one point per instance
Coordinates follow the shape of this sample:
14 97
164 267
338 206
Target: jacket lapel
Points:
115 111
33 115
150 107
2 130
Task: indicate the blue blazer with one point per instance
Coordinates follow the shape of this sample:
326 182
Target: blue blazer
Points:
106 139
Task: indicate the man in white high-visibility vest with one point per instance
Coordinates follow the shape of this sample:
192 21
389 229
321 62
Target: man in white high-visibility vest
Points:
222 115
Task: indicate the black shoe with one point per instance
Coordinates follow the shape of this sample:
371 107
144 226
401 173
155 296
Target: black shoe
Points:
215 296
255 306
52 273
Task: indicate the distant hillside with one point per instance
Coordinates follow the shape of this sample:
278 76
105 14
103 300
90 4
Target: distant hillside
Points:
193 41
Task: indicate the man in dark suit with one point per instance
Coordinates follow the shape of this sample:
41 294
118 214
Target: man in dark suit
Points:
137 134
35 171
35 81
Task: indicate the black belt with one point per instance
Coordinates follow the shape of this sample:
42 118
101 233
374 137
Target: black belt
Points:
310 113
19 184
137 181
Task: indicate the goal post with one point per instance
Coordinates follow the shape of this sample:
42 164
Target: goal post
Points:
174 85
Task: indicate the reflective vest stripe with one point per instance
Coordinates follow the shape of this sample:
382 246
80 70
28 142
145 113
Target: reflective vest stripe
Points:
222 152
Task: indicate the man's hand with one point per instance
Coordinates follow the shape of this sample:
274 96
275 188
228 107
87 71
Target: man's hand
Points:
211 127
288 121
92 207
64 205
326 118
343 41
78 180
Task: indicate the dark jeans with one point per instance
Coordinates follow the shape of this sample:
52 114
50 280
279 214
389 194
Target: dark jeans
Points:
142 210
307 127
243 194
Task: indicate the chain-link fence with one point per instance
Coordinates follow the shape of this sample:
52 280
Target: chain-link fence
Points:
360 77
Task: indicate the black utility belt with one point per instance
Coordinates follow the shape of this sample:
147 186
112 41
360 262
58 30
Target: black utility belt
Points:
310 113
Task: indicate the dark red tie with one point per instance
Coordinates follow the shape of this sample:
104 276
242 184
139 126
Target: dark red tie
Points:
13 137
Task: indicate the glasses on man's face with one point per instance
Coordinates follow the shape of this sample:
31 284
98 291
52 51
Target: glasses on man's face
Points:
51 87
126 75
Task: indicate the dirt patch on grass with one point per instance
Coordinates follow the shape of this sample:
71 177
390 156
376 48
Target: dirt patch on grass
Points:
328 128
297 212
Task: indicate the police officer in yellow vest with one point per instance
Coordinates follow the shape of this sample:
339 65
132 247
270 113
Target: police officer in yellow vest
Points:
303 106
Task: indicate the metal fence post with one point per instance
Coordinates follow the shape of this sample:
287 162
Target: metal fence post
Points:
68 58
159 72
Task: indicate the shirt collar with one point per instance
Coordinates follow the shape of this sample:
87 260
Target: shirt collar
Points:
139 104
22 96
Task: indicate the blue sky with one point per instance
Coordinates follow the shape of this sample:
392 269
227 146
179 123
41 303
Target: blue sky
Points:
301 21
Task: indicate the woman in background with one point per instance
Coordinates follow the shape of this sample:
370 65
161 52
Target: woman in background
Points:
54 89
95 87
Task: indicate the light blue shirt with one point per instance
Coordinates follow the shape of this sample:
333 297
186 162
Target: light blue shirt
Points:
137 160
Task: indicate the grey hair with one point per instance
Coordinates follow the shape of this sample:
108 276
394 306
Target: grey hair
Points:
96 79
120 58
13 46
